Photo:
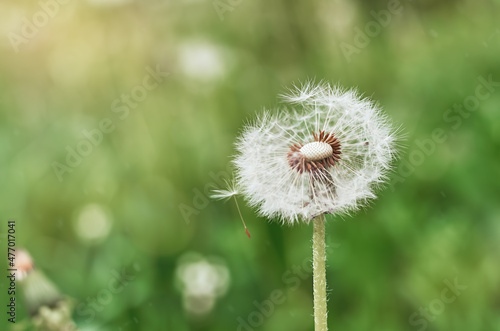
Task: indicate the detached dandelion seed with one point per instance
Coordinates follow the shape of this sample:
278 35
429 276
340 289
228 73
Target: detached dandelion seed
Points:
325 155
231 192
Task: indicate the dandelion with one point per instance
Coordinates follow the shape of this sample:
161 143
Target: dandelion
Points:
325 155
48 308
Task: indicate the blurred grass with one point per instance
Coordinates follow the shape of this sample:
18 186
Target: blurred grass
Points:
442 222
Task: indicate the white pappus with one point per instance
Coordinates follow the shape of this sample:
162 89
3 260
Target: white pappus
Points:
326 153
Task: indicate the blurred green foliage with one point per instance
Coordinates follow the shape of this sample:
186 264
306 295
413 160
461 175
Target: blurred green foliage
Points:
137 202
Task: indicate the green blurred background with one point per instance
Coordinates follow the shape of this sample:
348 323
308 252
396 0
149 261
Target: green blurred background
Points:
136 202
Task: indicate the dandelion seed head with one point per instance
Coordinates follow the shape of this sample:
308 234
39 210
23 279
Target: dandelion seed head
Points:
327 152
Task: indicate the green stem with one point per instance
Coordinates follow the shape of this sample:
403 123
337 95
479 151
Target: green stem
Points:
319 274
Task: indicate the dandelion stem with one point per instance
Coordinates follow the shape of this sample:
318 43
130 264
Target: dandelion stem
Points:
319 274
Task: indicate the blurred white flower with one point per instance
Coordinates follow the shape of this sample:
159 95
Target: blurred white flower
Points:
93 223
326 157
201 282
201 61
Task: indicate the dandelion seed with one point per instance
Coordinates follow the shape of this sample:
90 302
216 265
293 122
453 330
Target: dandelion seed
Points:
226 194
223 194
231 192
